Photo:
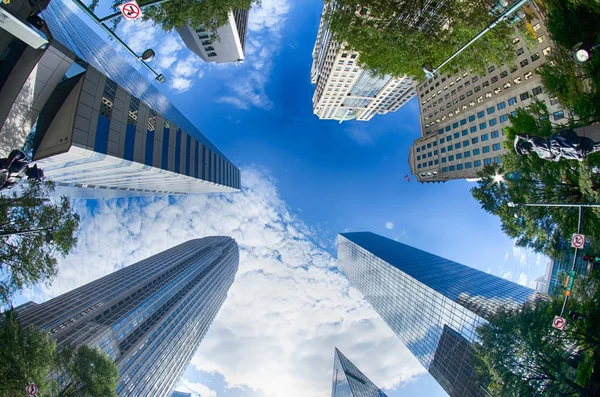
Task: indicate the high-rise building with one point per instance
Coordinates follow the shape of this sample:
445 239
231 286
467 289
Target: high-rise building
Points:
434 305
463 115
230 46
349 381
150 317
344 91
101 128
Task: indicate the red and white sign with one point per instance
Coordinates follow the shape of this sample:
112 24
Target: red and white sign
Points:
578 241
131 10
31 389
559 323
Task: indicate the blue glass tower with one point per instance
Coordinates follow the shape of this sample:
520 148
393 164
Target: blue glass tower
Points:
150 317
349 381
432 304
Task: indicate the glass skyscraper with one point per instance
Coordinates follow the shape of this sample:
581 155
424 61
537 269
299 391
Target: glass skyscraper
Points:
349 381
432 304
150 317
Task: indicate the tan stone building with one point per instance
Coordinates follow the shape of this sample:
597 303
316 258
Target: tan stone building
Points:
463 115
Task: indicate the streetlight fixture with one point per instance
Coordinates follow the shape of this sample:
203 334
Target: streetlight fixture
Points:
583 53
146 56
48 236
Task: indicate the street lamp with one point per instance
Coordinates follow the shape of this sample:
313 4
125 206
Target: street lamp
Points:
430 70
49 237
583 53
146 56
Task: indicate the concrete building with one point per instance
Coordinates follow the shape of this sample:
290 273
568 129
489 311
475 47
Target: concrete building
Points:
344 91
100 128
229 47
432 304
463 115
349 381
149 317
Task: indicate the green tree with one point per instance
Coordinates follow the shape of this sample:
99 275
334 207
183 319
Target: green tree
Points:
387 44
529 179
26 355
28 259
86 372
577 86
211 14
520 354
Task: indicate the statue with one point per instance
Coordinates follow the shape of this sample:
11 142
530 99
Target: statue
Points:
562 144
15 167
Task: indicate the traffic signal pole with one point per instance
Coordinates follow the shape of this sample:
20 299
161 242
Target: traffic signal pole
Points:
574 260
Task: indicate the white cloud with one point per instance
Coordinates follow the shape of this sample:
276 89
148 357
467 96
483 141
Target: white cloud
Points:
523 279
359 135
389 225
288 307
262 43
507 275
197 389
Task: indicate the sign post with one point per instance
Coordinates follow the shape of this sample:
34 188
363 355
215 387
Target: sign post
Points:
569 282
559 323
131 10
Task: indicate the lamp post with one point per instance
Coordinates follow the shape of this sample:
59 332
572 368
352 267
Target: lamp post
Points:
148 55
49 236
580 206
428 68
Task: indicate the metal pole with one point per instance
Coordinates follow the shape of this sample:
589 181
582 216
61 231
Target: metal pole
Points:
20 232
574 259
512 9
142 6
117 39
562 205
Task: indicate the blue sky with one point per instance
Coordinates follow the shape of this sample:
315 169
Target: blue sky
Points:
304 181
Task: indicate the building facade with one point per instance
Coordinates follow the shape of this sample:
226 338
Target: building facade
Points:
463 115
100 128
230 45
150 317
349 381
434 305
344 91
180 394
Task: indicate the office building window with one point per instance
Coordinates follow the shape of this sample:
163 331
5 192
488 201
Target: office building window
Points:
512 101
459 167
503 118
537 91
442 140
524 96
444 169
471 118
486 149
477 163
452 168
480 114
483 126
495 134
456 135
443 159
458 156
451 158
558 115
468 165
463 122
491 110
476 152
474 140
465 132
457 145
487 161
492 122
474 129
467 154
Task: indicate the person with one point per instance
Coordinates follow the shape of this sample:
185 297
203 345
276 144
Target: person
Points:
562 144
15 167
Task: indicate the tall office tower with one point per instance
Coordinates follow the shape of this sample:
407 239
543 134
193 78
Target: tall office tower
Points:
230 45
348 381
434 305
344 91
463 116
150 317
101 129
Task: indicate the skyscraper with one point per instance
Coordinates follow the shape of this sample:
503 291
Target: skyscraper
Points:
150 317
180 394
434 305
463 115
348 381
230 45
101 128
344 91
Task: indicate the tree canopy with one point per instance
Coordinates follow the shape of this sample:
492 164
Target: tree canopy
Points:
26 355
520 354
389 44
86 372
211 14
529 179
28 259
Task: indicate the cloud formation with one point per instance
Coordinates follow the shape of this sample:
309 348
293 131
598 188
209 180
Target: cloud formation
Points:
288 307
389 225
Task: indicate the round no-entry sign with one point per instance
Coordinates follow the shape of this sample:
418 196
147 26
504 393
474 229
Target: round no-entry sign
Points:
578 240
131 10
31 389
559 323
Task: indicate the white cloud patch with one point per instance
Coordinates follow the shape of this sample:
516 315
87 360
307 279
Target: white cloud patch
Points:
523 279
359 135
389 225
288 307
197 389
262 43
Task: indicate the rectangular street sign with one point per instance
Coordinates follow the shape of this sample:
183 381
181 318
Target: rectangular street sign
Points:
571 280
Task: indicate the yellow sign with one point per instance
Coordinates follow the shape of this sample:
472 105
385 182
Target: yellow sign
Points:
6 1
